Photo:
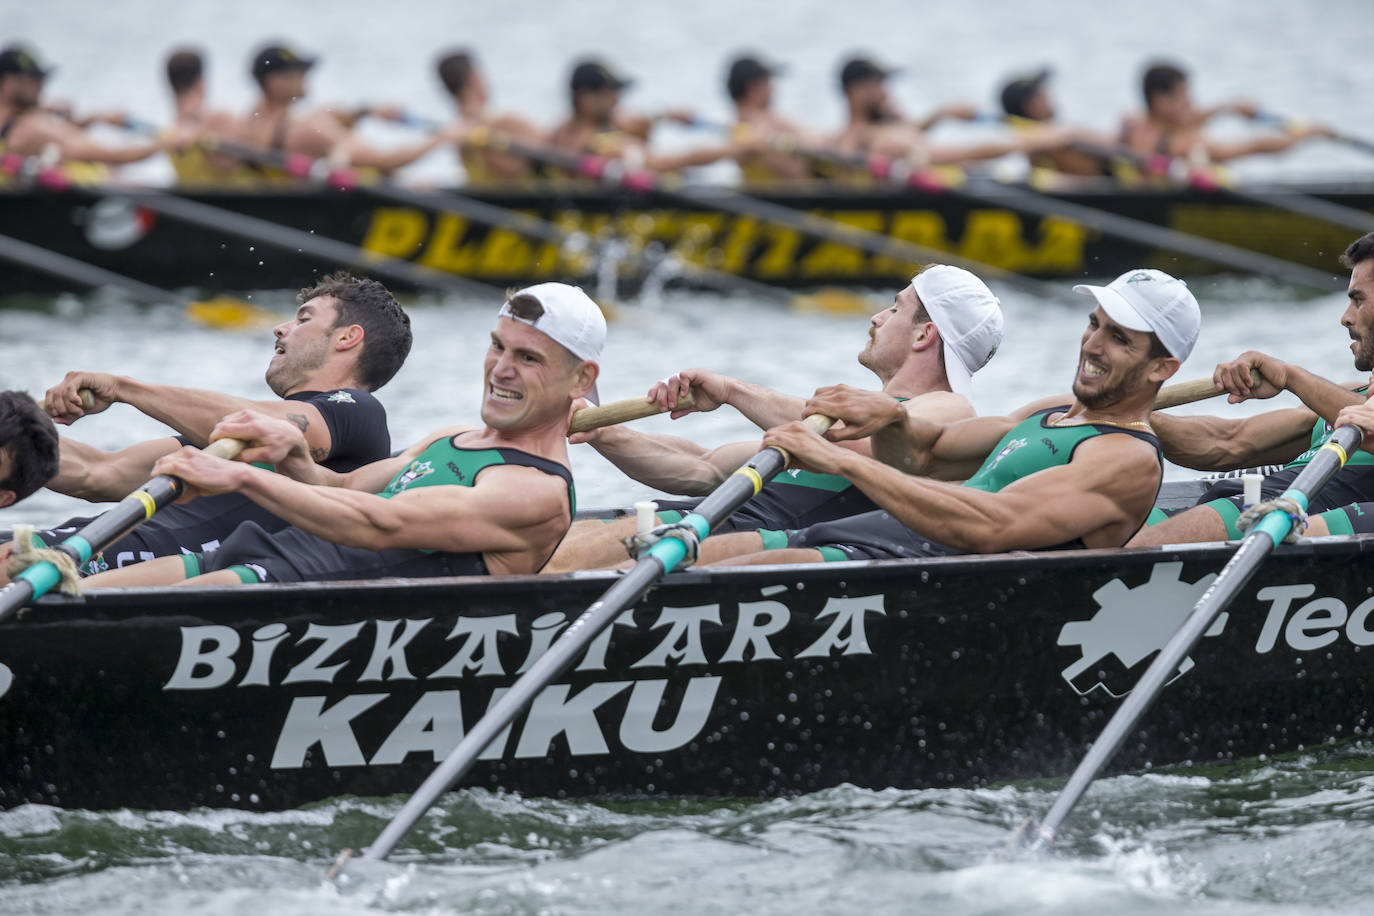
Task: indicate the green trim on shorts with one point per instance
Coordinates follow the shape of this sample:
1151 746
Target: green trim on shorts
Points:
773 540
246 575
1156 516
1229 513
670 516
191 563
38 541
1337 521
832 555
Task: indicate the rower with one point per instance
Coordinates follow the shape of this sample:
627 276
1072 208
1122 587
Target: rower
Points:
1172 126
597 127
467 86
925 348
347 339
1291 435
1053 475
280 73
464 500
749 82
1028 107
185 69
875 127
27 130
28 447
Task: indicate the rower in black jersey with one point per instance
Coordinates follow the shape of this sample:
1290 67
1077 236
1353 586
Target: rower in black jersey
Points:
495 499
1050 476
940 329
347 339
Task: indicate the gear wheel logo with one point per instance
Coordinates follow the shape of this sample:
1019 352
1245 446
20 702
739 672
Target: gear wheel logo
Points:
1132 625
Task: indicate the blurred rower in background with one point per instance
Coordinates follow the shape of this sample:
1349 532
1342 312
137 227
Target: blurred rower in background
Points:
27 130
749 83
280 73
483 162
1027 104
1171 125
596 126
193 164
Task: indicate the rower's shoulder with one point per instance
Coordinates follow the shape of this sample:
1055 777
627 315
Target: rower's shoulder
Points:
940 407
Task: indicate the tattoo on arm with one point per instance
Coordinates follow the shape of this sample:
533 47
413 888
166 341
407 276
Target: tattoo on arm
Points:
319 454
301 421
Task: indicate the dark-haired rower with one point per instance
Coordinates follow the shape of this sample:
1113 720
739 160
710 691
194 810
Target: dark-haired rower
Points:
465 84
28 447
347 339
465 500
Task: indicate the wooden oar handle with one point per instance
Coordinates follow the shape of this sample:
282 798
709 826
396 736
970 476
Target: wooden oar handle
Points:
226 448
1187 392
589 418
818 424
87 400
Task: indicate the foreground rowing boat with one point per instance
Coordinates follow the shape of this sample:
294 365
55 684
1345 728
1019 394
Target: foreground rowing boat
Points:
756 682
110 231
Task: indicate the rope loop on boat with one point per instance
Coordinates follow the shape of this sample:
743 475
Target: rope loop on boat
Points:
637 544
29 550
1288 506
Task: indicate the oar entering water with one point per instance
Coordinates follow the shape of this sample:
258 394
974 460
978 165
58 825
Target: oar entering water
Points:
130 512
1258 543
661 558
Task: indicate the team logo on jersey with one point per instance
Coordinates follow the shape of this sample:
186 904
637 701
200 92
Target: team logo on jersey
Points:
342 397
1010 447
412 473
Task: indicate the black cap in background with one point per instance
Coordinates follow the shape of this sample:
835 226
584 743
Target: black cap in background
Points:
745 71
593 75
1019 90
862 69
19 59
275 58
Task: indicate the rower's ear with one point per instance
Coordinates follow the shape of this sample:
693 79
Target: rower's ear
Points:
584 379
6 498
927 335
348 337
1162 369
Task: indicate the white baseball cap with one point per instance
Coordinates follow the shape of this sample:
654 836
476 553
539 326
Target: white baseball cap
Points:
969 319
570 318
1145 299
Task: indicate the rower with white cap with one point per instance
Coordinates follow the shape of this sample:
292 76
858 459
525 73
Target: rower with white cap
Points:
1053 475
464 500
940 329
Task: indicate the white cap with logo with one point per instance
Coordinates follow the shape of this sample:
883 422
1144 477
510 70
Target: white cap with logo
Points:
969 319
1146 299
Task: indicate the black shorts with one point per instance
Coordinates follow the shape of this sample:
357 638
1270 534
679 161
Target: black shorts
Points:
294 555
1348 486
870 536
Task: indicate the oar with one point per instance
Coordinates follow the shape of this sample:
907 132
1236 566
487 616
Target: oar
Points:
531 226
220 311
1258 543
127 514
1350 140
589 418
661 559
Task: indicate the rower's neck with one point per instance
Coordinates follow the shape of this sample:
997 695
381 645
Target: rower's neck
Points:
917 376
548 441
326 379
1126 413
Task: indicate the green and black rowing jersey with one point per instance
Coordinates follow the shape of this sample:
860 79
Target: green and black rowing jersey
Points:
1321 432
445 463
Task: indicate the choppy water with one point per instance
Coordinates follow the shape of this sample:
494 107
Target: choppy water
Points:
1292 836
1289 837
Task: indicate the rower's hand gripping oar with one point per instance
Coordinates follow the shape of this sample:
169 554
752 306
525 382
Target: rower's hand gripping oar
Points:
1258 543
127 514
660 559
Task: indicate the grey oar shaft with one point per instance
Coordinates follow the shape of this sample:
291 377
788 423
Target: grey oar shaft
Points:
1243 565
66 268
558 659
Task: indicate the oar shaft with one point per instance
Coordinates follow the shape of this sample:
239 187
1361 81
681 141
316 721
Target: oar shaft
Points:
127 514
662 558
1259 542
67 268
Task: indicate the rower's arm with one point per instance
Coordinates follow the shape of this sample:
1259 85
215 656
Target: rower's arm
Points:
1321 396
500 513
763 406
75 144
364 155
949 451
192 412
1223 151
1206 443
672 162
93 474
670 463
